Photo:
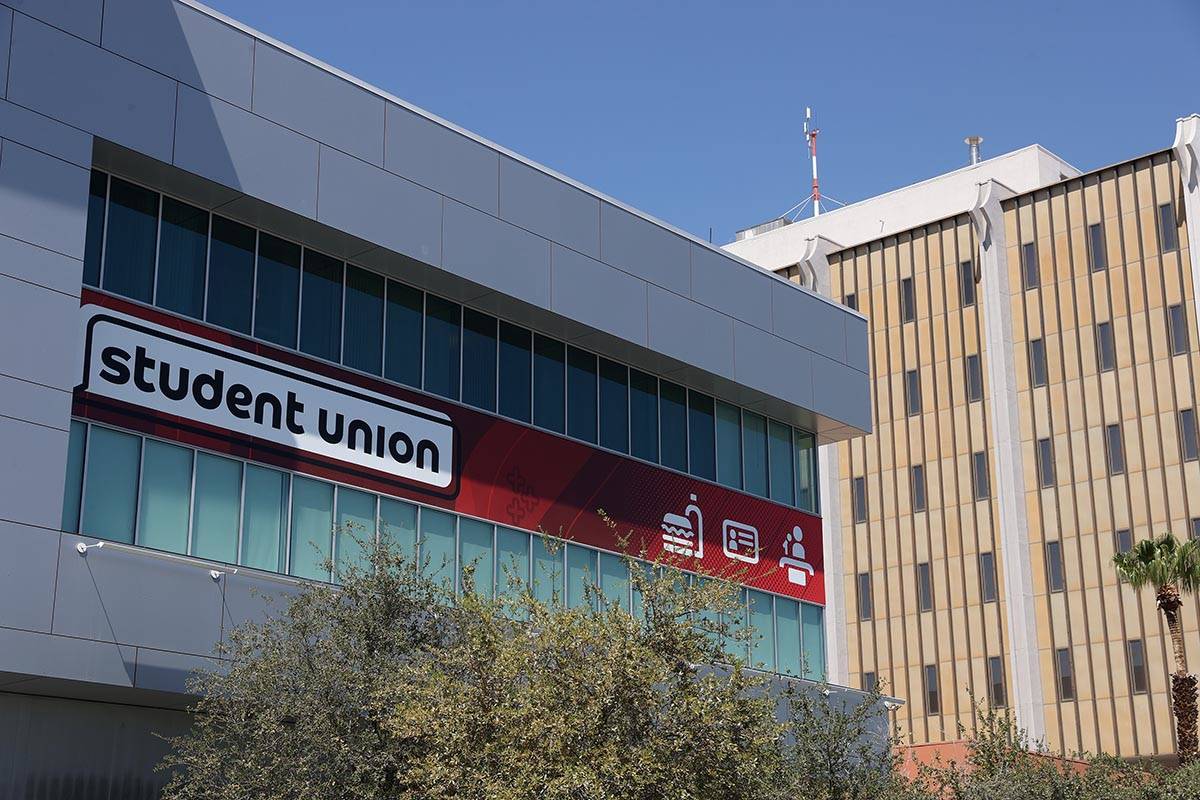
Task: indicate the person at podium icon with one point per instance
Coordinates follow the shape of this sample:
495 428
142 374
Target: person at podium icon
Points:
793 561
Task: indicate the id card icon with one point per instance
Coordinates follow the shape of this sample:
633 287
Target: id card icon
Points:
739 541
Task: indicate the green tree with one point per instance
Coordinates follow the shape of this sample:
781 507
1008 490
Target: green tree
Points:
388 686
1172 568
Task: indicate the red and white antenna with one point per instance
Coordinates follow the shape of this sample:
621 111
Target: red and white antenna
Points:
810 135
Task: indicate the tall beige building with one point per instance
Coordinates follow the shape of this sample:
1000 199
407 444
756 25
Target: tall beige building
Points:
1035 353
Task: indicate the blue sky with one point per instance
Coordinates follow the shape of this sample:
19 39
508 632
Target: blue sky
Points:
692 111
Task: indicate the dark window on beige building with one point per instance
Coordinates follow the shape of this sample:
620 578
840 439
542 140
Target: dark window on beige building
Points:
933 696
997 693
966 283
1177 330
912 392
979 476
908 300
1037 362
1055 579
1064 673
1045 462
1136 651
1106 353
1123 544
1189 447
987 577
870 682
924 587
1030 277
851 301
1196 528
1114 449
859 490
917 479
1097 256
1168 238
974 379
865 605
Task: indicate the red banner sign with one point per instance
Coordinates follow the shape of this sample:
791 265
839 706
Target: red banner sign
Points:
181 380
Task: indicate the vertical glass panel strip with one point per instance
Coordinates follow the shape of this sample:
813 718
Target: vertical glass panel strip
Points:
549 378
762 646
182 256
264 519
110 485
547 571
754 443
74 482
94 240
231 275
614 579
362 342
166 497
443 329
729 445
479 360
806 470
516 372
475 551
614 406
643 415
355 527
581 574
312 528
277 290
405 323
581 395
132 238
779 437
812 619
398 524
321 314
648 572
672 422
438 546
215 512
787 636
702 444
512 572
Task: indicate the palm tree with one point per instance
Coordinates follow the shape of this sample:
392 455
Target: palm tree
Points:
1173 569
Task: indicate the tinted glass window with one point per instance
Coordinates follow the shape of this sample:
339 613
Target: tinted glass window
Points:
864 596
979 474
924 587
443 329
908 300
516 372
912 392
851 301
512 569
581 394
1196 528
94 241
231 275
918 487
166 497
74 480
131 241
614 406
987 577
1054 566
974 379
355 529
437 545
216 508
479 360
1045 451
1115 449
110 485
1065 671
182 257
933 695
806 470
966 283
702 447
277 290
672 416
264 519
859 492
761 619
549 383
581 574
404 322
476 557
1037 362
362 344
643 415
1106 354
754 447
783 481
321 312
1030 276
1124 540
1177 330
1097 253
1168 237
1189 446
870 682
812 621
787 636
997 693
1138 682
